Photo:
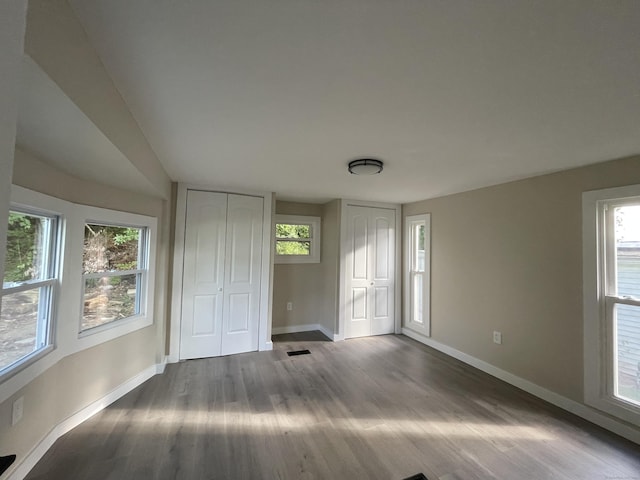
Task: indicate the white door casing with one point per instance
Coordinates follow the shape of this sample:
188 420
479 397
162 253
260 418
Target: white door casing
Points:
370 271
221 274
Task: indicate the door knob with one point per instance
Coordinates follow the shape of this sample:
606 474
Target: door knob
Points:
371 283
220 289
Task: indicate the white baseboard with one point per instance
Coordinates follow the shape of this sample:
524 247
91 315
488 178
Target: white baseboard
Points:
23 468
570 406
303 328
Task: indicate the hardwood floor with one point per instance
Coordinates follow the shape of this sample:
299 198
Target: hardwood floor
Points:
373 408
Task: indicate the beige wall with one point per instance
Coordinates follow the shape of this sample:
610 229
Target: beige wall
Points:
84 377
57 42
305 284
12 29
509 258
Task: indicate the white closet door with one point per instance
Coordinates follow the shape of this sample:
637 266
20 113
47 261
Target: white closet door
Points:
382 242
370 271
203 278
243 257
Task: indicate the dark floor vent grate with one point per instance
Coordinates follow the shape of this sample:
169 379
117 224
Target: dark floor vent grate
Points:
417 476
298 352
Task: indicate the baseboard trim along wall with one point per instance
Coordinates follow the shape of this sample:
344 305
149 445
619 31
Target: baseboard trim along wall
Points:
570 406
25 466
309 327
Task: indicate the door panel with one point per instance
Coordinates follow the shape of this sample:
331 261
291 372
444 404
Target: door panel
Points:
370 271
382 321
204 318
382 245
381 302
200 329
241 311
360 262
221 278
359 304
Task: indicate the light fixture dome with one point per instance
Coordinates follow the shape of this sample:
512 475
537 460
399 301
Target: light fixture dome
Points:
365 166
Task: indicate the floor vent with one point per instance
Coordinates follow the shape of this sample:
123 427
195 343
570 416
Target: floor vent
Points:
298 352
417 476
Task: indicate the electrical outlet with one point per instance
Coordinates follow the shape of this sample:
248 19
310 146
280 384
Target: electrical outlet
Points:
18 410
497 337
289 305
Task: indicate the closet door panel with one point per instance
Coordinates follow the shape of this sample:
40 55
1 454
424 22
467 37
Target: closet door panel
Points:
370 260
243 259
203 276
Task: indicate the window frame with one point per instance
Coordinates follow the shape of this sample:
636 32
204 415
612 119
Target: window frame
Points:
410 224
51 287
141 274
599 304
146 258
314 241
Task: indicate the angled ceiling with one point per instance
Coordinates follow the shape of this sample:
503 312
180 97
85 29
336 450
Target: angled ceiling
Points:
51 126
453 95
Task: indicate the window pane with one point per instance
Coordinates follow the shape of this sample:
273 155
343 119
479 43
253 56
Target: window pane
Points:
418 245
19 325
107 299
28 242
108 248
284 230
627 325
416 296
284 247
627 221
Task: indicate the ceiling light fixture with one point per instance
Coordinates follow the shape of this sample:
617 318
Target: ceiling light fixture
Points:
365 166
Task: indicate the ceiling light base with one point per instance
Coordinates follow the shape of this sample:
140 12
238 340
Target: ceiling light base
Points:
365 166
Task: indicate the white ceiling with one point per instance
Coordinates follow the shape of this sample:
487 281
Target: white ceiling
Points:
453 95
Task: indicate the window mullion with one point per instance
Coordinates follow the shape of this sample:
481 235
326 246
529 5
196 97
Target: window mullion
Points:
29 285
112 273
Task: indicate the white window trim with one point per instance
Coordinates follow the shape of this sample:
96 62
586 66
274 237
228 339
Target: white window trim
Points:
409 222
17 378
112 330
598 347
53 284
314 256
67 308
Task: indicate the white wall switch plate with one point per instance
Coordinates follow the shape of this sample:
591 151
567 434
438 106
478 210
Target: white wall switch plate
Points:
289 305
497 337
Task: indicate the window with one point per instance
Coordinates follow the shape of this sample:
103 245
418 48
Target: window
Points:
417 268
612 302
114 265
297 239
28 287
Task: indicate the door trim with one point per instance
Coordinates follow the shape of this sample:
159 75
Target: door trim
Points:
266 276
344 246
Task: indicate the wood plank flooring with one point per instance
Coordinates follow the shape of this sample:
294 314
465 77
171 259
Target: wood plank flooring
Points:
373 408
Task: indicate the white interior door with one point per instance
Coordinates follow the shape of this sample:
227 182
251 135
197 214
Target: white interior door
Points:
370 271
221 276
203 277
243 258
